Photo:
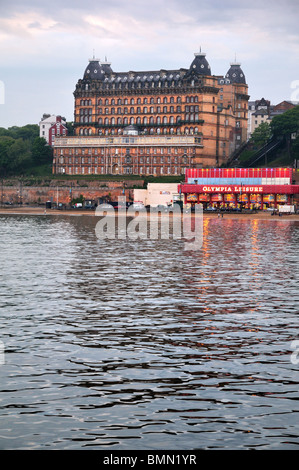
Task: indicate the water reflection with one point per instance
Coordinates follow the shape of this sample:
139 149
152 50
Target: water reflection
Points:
139 344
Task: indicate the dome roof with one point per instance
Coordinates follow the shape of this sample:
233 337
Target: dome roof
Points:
93 70
200 64
235 74
106 67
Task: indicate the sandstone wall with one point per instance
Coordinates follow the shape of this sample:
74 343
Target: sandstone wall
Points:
18 191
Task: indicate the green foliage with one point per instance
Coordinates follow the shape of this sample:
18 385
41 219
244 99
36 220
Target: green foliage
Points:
79 199
295 148
21 148
41 152
28 132
261 135
246 155
286 123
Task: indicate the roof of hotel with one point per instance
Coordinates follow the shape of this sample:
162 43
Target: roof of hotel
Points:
235 74
102 71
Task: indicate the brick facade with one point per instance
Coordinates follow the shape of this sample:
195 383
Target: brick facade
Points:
140 122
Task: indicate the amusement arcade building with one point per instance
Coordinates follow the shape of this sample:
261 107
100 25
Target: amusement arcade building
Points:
259 188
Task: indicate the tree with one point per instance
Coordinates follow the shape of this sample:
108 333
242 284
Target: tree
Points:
295 148
41 151
5 144
287 123
19 156
261 134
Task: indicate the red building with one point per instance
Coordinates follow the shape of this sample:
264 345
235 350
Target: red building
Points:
52 126
259 188
57 129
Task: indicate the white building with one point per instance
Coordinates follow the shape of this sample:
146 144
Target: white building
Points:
165 194
52 125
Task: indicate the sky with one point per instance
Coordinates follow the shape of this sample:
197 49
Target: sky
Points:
45 46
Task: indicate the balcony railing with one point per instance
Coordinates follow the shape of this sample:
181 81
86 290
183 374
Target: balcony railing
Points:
148 124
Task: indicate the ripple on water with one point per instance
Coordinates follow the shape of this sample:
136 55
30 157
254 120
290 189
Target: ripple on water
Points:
140 345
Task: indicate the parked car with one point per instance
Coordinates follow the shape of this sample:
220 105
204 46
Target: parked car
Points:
138 205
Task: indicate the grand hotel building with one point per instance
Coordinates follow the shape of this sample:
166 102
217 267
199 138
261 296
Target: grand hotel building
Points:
154 122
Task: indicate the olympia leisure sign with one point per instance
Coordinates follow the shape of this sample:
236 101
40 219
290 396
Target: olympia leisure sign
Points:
232 189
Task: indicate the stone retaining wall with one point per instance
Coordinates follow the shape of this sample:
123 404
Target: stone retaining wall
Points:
19 191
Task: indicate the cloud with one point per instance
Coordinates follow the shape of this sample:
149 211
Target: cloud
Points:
53 40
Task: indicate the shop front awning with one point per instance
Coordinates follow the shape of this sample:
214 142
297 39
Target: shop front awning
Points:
237 189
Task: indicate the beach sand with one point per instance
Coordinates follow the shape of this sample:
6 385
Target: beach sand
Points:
263 215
